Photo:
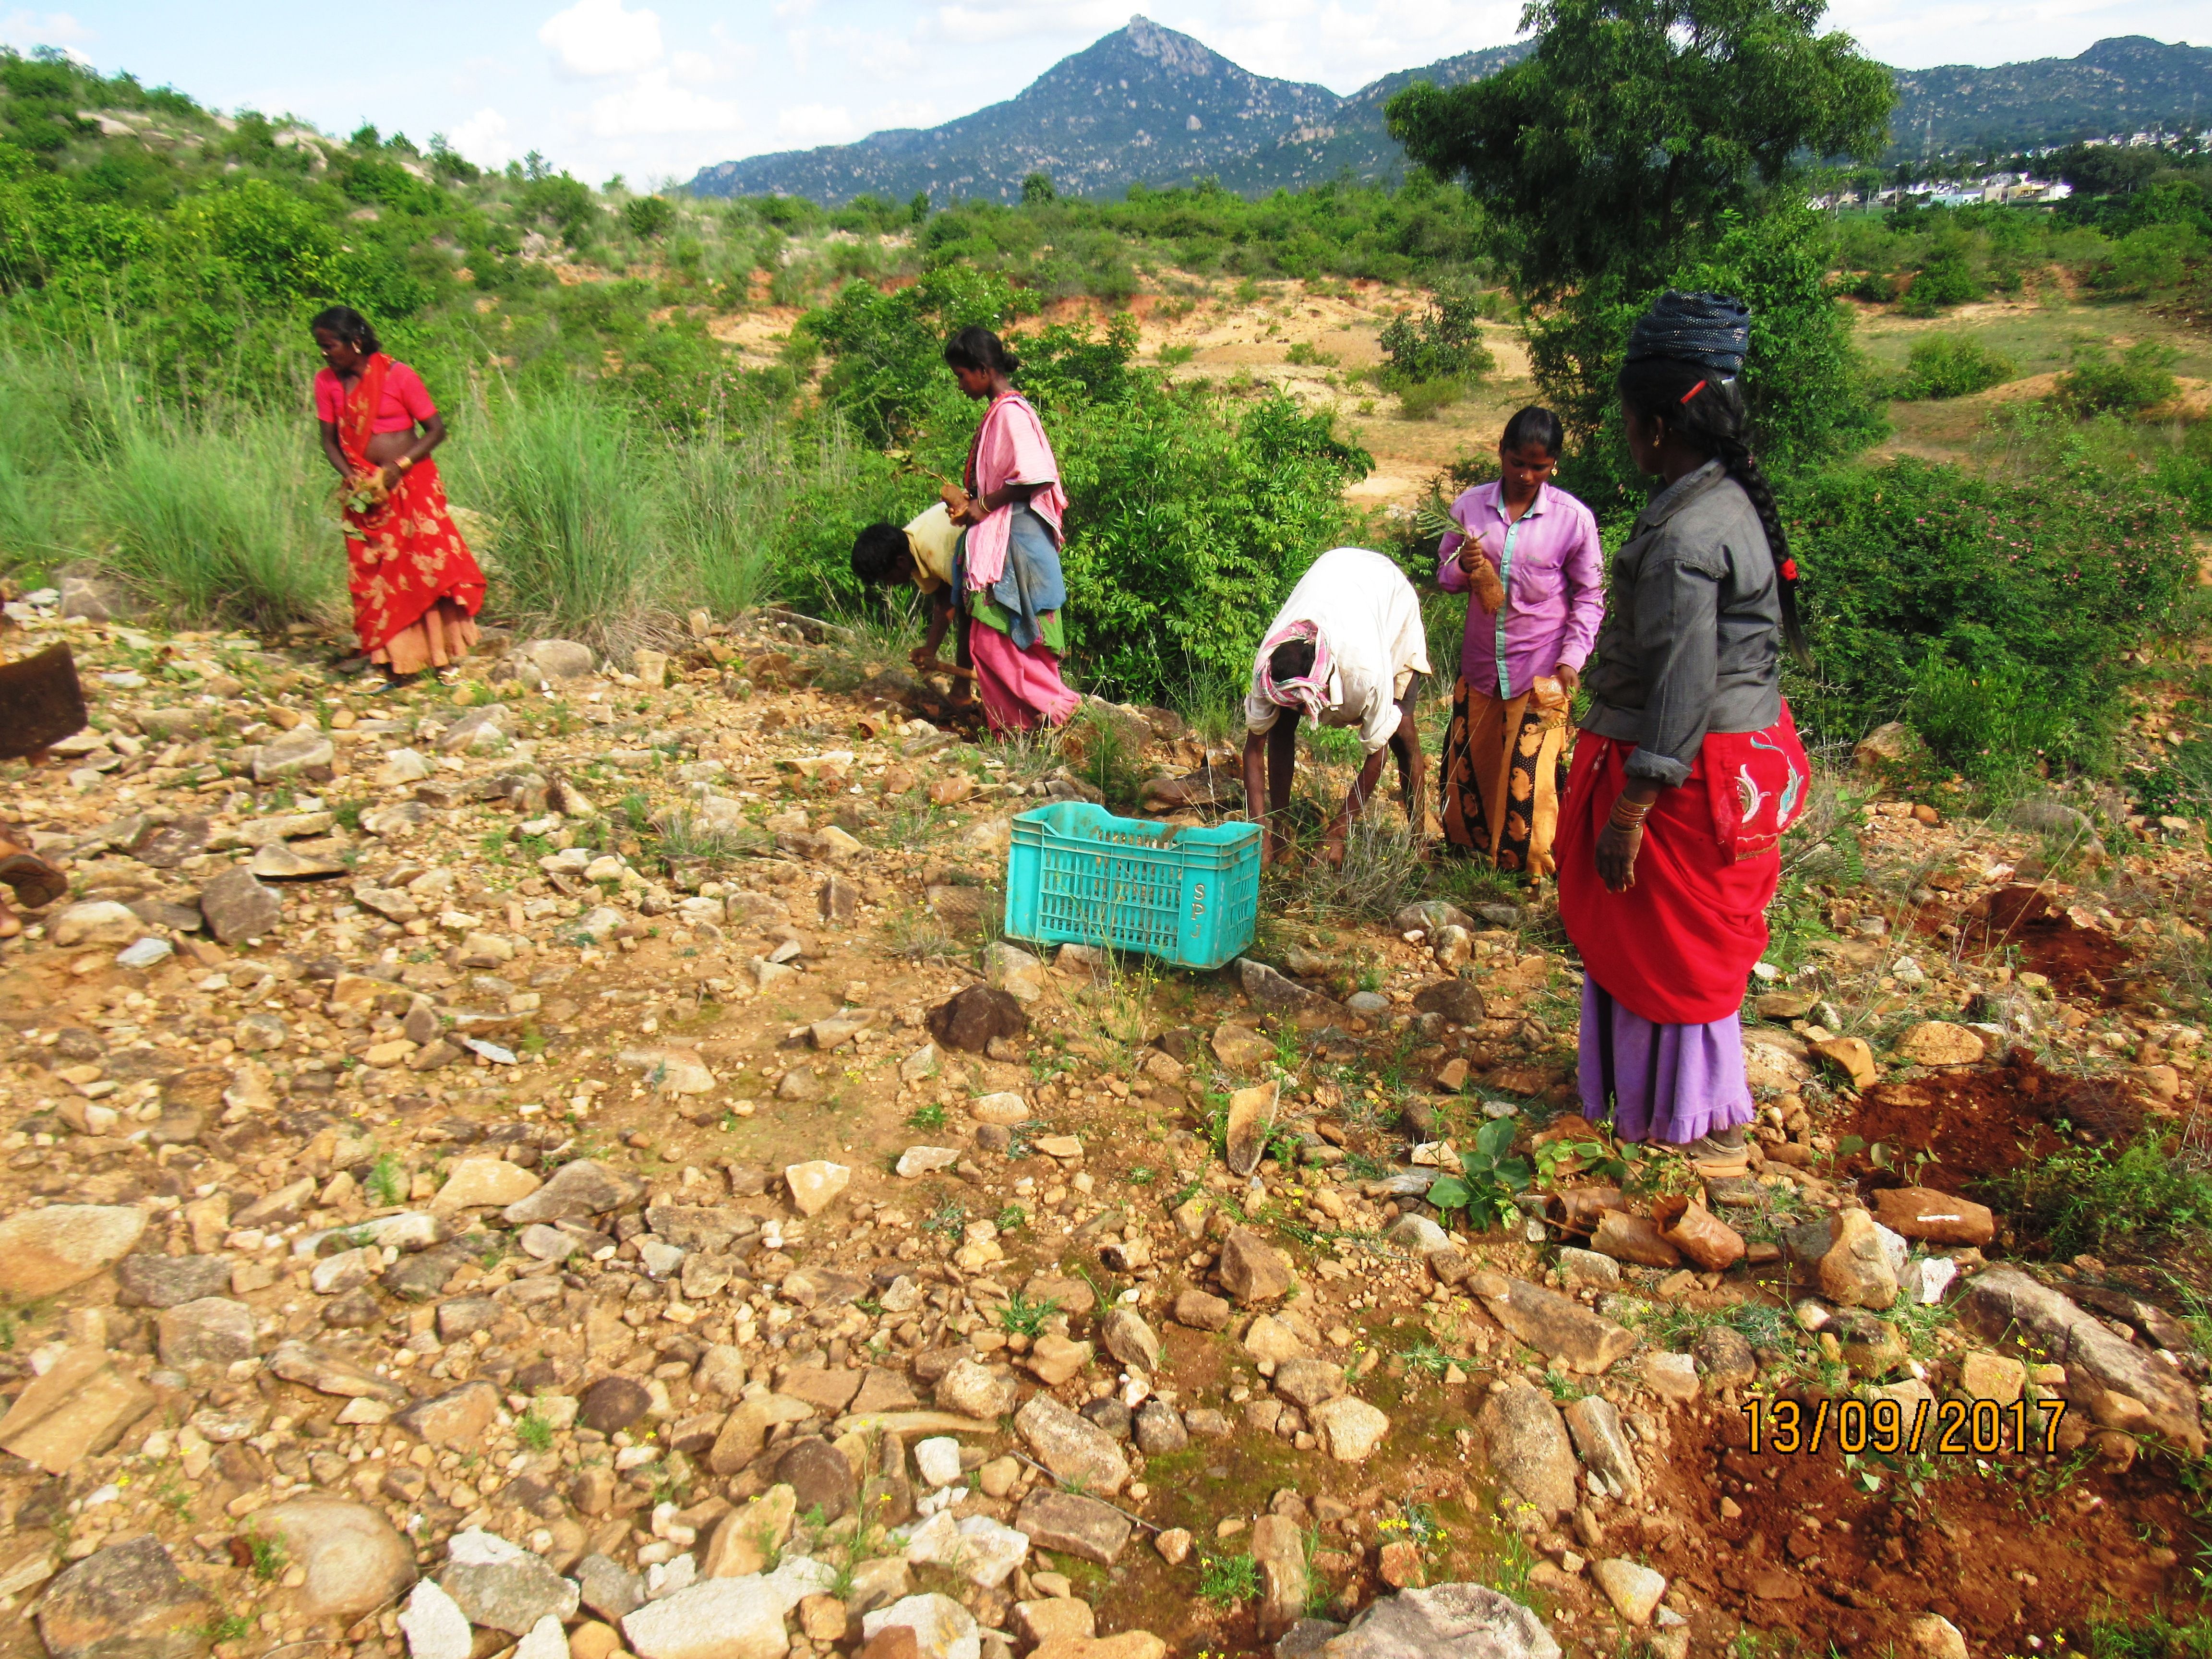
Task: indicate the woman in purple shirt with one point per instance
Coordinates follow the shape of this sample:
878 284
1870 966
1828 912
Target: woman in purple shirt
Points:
1527 555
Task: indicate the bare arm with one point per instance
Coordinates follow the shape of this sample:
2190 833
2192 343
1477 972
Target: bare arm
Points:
982 507
332 452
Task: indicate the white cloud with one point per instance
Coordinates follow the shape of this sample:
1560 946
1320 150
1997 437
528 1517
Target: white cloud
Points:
652 105
816 124
917 113
26 29
597 37
695 67
981 24
483 139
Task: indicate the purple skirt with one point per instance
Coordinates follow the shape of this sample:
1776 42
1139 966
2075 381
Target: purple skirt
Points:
1662 1083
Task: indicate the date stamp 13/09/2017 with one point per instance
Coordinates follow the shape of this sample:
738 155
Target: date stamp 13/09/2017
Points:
1954 1428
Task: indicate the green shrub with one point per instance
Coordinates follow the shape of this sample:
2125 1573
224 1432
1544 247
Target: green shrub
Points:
1952 366
2143 378
1443 346
1422 400
1194 513
2137 1201
649 216
1946 279
1998 611
215 525
2184 472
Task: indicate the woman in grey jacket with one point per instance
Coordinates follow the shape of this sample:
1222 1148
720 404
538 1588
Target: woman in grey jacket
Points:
1689 768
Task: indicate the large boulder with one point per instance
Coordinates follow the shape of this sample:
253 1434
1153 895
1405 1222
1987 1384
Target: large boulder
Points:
1074 1449
81 1407
1557 1326
355 1559
49 1250
577 1192
1520 1431
2116 1383
502 1585
971 1017
1450 1621
125 1601
237 905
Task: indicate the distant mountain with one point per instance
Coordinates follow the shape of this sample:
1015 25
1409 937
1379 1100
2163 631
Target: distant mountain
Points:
2126 84
1146 104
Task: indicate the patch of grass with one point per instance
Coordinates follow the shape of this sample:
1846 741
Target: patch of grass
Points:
228 1627
534 1431
1025 1317
1426 1357
268 1556
1508 1566
929 1116
683 836
2134 1203
1228 1580
1425 399
946 1220
2114 1634
1011 1217
387 1181
1384 869
1107 753
920 936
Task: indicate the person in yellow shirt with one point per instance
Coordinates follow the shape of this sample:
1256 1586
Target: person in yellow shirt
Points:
921 552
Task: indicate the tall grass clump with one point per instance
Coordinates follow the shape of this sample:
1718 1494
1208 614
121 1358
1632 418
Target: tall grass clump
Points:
575 492
218 521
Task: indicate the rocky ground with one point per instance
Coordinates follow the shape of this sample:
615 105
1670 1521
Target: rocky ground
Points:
529 1165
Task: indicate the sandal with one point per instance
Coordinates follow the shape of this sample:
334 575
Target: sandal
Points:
36 882
1717 1158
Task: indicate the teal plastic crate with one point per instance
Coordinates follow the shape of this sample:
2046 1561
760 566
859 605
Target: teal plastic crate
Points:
1077 874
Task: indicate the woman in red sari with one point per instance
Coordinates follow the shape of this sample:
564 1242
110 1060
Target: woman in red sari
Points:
1689 770
415 587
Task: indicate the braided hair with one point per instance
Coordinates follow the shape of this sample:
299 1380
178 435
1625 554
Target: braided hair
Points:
1704 410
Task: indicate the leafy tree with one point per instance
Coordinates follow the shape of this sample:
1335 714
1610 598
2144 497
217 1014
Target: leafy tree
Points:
1617 146
2105 169
1037 188
1636 138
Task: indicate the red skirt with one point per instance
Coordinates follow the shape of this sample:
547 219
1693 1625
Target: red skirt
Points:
1678 947
404 556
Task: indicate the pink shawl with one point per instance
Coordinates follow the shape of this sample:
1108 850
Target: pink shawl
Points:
1010 447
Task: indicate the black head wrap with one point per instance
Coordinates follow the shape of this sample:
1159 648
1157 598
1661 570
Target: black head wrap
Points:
1712 330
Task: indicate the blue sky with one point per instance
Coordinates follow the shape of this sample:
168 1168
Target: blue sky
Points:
656 89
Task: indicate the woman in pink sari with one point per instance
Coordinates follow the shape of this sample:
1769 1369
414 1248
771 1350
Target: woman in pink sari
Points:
1007 574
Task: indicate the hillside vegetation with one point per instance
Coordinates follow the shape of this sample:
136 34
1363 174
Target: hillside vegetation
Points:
662 402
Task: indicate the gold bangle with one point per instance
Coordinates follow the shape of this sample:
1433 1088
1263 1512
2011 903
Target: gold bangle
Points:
404 462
